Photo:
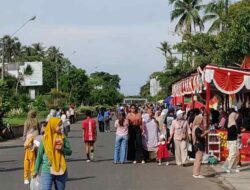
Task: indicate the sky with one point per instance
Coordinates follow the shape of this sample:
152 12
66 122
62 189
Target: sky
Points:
115 36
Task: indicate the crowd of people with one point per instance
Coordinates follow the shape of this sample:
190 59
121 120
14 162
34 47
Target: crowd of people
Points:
146 133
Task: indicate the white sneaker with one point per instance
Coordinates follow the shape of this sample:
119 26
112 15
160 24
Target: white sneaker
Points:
143 162
26 182
225 169
88 160
159 164
237 171
167 163
134 162
198 176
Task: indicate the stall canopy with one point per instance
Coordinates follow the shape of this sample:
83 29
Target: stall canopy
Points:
246 63
188 85
227 81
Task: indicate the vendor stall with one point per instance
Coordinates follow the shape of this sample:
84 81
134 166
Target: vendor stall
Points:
217 87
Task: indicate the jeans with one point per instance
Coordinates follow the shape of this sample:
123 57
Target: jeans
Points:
107 125
47 181
121 146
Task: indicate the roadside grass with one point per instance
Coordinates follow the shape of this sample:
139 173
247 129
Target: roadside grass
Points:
21 119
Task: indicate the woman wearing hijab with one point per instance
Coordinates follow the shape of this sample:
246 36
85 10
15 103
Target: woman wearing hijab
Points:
180 131
51 156
31 125
150 135
232 135
198 137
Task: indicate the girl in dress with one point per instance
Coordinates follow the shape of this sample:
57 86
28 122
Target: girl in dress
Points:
162 153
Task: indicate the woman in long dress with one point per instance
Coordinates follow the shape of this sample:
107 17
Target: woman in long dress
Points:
135 136
150 135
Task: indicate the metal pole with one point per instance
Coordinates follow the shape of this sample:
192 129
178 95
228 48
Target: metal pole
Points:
2 77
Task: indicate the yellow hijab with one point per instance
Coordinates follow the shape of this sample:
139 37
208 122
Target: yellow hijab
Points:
55 157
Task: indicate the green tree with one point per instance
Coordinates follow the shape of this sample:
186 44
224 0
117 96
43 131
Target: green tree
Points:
56 57
75 83
187 13
145 90
12 48
39 49
233 45
215 11
166 48
104 89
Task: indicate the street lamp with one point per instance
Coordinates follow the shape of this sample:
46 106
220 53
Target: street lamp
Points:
31 19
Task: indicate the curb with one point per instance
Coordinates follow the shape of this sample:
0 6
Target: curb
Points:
222 179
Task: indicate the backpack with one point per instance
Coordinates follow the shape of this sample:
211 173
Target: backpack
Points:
212 160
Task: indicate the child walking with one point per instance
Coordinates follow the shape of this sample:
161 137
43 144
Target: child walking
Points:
89 135
29 158
162 153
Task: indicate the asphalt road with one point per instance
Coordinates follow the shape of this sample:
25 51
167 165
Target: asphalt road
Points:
102 174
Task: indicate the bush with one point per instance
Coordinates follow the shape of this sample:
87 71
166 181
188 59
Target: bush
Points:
39 103
16 112
83 109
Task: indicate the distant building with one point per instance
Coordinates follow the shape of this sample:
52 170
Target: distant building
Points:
155 87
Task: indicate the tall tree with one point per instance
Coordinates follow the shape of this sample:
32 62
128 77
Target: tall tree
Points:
187 13
56 56
39 49
12 48
215 11
166 48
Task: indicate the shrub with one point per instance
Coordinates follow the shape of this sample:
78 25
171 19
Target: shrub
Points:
16 112
39 103
82 109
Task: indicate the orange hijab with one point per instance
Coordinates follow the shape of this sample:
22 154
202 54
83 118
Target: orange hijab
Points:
55 157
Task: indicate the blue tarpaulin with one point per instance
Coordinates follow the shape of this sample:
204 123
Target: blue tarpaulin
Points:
168 101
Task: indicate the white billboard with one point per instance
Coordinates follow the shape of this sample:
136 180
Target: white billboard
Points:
36 78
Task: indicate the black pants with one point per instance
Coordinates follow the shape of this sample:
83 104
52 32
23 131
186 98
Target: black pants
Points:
135 150
171 144
72 119
101 126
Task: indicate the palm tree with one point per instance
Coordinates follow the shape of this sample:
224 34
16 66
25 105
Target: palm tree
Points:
39 49
187 11
28 51
171 62
166 48
214 11
12 48
56 56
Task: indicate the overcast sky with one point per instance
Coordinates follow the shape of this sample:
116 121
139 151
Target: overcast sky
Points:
115 36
